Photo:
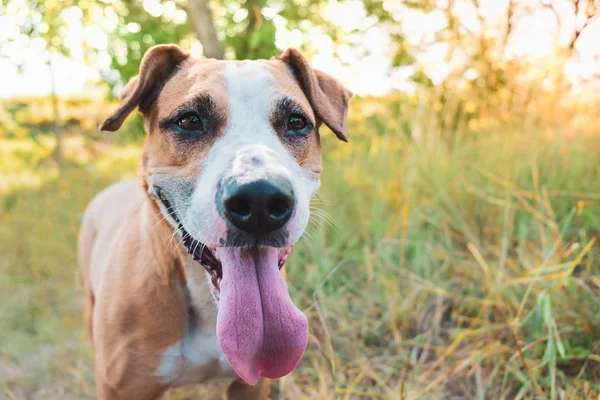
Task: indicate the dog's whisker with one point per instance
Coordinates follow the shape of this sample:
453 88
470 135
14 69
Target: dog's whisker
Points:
163 218
161 214
175 231
319 218
305 237
196 247
323 213
140 202
308 235
317 199
327 220
182 239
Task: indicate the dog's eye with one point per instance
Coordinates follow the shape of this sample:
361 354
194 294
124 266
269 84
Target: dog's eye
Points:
190 122
296 122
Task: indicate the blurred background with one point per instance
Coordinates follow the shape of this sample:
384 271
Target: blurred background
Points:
452 250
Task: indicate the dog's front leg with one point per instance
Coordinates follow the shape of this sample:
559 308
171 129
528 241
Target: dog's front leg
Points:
239 390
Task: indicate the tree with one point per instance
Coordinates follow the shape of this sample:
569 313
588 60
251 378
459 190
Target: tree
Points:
226 29
201 19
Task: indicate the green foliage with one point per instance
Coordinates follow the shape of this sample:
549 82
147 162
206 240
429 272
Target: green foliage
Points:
135 33
254 36
247 31
46 19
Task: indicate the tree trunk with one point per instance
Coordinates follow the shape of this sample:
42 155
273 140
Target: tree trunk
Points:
201 19
58 151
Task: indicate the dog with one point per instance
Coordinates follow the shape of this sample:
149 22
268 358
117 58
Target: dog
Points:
182 267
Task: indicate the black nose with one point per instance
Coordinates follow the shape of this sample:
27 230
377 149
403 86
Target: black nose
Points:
259 207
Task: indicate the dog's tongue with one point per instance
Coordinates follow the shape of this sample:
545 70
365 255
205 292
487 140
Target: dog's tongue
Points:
259 328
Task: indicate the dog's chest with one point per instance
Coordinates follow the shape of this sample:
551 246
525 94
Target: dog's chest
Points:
196 357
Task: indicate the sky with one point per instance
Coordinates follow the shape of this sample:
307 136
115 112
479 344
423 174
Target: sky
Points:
363 63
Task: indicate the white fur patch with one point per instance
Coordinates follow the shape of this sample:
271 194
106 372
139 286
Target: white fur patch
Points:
197 357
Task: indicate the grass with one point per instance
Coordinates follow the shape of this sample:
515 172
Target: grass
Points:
430 270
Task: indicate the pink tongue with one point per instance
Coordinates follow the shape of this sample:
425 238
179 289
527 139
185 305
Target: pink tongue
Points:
259 328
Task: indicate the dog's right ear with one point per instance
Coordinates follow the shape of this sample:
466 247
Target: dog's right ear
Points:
158 65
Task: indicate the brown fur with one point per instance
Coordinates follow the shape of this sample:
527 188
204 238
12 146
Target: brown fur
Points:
133 269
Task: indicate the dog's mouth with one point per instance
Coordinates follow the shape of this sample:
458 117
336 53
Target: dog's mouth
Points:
203 254
260 330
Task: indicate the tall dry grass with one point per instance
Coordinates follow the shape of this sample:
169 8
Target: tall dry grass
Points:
446 258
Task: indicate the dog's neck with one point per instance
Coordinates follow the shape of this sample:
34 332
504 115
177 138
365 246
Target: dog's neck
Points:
175 266
163 243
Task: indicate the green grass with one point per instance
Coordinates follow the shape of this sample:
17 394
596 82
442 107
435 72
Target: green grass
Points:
430 269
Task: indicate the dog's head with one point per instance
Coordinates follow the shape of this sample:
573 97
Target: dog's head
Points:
233 158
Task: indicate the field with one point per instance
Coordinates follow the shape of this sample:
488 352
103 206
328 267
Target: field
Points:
436 265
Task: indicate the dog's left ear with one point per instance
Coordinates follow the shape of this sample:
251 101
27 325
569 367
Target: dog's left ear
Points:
158 65
328 98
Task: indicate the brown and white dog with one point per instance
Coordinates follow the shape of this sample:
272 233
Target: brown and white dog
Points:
182 272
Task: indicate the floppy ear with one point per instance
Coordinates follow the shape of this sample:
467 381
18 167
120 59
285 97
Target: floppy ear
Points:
328 98
158 65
